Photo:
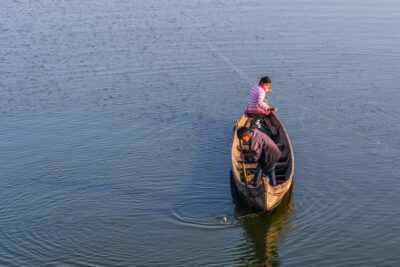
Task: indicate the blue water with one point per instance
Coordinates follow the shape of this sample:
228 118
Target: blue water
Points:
116 123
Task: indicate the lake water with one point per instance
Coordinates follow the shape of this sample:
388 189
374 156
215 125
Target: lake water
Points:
116 124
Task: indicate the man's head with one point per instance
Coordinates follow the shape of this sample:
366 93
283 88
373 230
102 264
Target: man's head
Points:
244 134
265 82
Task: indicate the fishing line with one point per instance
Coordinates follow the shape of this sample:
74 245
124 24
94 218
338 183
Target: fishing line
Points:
230 64
247 78
250 82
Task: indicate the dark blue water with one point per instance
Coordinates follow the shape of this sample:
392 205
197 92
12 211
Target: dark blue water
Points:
116 123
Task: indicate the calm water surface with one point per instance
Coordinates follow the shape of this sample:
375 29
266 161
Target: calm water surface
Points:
116 123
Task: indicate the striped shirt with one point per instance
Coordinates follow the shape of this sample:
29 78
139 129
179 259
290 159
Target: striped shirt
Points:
256 104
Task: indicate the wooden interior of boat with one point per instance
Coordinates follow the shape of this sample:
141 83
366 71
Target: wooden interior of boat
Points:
272 127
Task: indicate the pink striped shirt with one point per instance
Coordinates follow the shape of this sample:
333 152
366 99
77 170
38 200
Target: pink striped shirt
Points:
256 104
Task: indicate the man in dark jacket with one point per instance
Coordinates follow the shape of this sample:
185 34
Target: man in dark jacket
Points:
263 150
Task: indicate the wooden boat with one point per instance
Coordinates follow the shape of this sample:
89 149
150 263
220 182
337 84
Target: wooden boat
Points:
261 196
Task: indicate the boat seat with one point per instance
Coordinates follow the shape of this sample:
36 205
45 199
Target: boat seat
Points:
281 167
285 160
280 178
253 165
281 164
248 166
239 160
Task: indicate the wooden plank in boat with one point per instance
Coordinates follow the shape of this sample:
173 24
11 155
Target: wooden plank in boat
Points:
254 165
281 164
280 177
247 166
239 160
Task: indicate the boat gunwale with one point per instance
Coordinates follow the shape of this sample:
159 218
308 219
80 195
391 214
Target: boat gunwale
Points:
276 191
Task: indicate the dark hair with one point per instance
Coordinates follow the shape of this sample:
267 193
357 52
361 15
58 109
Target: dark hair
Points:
241 132
265 79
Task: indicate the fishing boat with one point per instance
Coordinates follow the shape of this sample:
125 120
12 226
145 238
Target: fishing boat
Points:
260 194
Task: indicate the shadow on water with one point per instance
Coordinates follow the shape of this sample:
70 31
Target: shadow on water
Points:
264 230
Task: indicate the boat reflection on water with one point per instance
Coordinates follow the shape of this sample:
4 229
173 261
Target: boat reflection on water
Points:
265 230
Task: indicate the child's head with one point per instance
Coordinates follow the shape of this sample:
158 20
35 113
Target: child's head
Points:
265 82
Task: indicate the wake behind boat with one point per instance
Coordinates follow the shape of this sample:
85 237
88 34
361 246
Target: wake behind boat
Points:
261 195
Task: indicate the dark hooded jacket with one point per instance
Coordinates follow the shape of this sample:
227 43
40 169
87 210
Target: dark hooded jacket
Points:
264 150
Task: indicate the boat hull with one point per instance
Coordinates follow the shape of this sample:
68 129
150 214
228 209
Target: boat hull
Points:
262 196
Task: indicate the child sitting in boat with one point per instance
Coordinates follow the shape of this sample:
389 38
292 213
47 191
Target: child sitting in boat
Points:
263 150
257 104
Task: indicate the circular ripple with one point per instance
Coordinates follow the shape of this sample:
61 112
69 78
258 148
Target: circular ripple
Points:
206 214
